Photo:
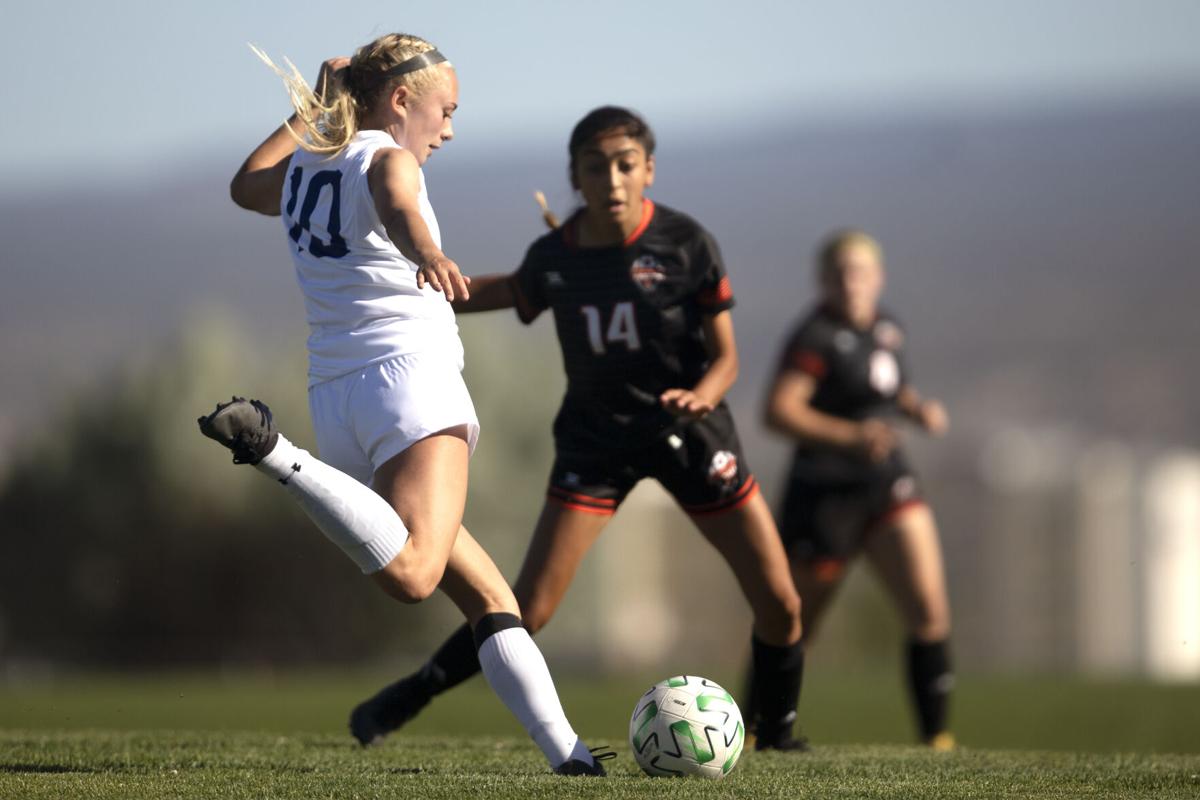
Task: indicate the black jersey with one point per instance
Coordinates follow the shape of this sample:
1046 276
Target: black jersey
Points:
859 374
629 322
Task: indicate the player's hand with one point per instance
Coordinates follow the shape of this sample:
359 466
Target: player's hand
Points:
331 76
876 439
685 403
933 418
444 275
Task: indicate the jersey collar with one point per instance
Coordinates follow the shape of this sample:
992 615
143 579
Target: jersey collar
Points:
571 235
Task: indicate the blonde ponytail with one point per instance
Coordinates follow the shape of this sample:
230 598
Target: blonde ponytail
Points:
331 121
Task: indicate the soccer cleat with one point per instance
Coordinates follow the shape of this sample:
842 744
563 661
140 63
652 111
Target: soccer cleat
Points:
244 426
942 742
576 766
394 705
786 743
777 737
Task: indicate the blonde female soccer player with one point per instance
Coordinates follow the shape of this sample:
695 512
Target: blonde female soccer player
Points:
641 306
388 403
840 388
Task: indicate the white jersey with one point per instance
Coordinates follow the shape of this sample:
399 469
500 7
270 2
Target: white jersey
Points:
360 293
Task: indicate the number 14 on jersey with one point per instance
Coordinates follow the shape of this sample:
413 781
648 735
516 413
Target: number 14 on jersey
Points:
621 328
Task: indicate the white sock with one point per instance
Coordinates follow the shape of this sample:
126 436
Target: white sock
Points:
516 671
349 513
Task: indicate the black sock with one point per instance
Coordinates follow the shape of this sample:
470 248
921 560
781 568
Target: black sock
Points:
451 664
930 679
776 675
491 624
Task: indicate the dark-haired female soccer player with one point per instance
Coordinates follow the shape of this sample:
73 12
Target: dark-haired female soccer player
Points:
839 388
641 308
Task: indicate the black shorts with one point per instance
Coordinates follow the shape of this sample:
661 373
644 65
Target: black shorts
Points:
830 520
700 463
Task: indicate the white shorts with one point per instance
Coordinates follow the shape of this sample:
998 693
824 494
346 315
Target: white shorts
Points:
367 417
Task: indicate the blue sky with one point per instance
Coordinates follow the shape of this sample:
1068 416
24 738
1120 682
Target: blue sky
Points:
122 89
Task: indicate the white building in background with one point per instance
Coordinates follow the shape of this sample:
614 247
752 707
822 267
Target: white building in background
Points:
1092 557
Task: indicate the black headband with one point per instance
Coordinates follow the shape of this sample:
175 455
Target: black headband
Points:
418 62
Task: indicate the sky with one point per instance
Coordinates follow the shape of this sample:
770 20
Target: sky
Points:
120 90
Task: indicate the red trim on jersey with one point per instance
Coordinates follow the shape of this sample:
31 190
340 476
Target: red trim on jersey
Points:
571 237
809 363
608 503
893 513
743 495
721 293
825 568
587 509
647 215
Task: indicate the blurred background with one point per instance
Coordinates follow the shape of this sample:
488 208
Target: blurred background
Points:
1031 169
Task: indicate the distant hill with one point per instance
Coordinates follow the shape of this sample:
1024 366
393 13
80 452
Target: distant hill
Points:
1046 263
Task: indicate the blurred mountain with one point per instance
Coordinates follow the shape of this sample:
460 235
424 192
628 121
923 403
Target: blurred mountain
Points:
1045 262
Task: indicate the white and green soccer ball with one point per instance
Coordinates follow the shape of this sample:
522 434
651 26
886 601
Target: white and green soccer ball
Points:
686 726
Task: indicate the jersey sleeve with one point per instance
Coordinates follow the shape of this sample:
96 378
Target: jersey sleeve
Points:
713 293
528 287
806 352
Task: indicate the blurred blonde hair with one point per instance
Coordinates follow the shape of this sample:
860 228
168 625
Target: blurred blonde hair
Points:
331 121
832 247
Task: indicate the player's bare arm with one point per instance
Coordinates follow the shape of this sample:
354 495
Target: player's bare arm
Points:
395 181
789 410
488 293
258 184
721 375
930 414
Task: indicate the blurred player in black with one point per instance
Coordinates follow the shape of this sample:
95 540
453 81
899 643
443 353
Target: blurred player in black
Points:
841 387
641 307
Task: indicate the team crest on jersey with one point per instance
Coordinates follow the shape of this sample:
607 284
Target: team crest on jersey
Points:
904 489
884 373
845 341
723 469
647 273
888 334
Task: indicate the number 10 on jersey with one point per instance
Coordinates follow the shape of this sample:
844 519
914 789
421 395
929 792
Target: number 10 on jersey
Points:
622 327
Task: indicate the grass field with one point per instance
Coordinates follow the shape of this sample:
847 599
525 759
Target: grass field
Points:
185 737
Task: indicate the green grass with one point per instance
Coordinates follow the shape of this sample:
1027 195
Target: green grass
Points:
247 765
283 737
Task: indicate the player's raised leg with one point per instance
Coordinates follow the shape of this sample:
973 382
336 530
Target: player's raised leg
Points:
747 539
353 517
560 541
908 557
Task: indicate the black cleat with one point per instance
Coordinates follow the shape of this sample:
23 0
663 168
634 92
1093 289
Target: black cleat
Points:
779 737
787 744
244 426
577 766
372 720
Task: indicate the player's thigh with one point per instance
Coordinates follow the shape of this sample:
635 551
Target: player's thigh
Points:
746 537
907 555
561 539
427 486
473 581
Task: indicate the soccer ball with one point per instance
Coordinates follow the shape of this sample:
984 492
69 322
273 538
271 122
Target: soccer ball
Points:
686 726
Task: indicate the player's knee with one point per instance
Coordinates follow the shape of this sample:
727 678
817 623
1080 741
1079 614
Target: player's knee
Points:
932 626
408 582
781 616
